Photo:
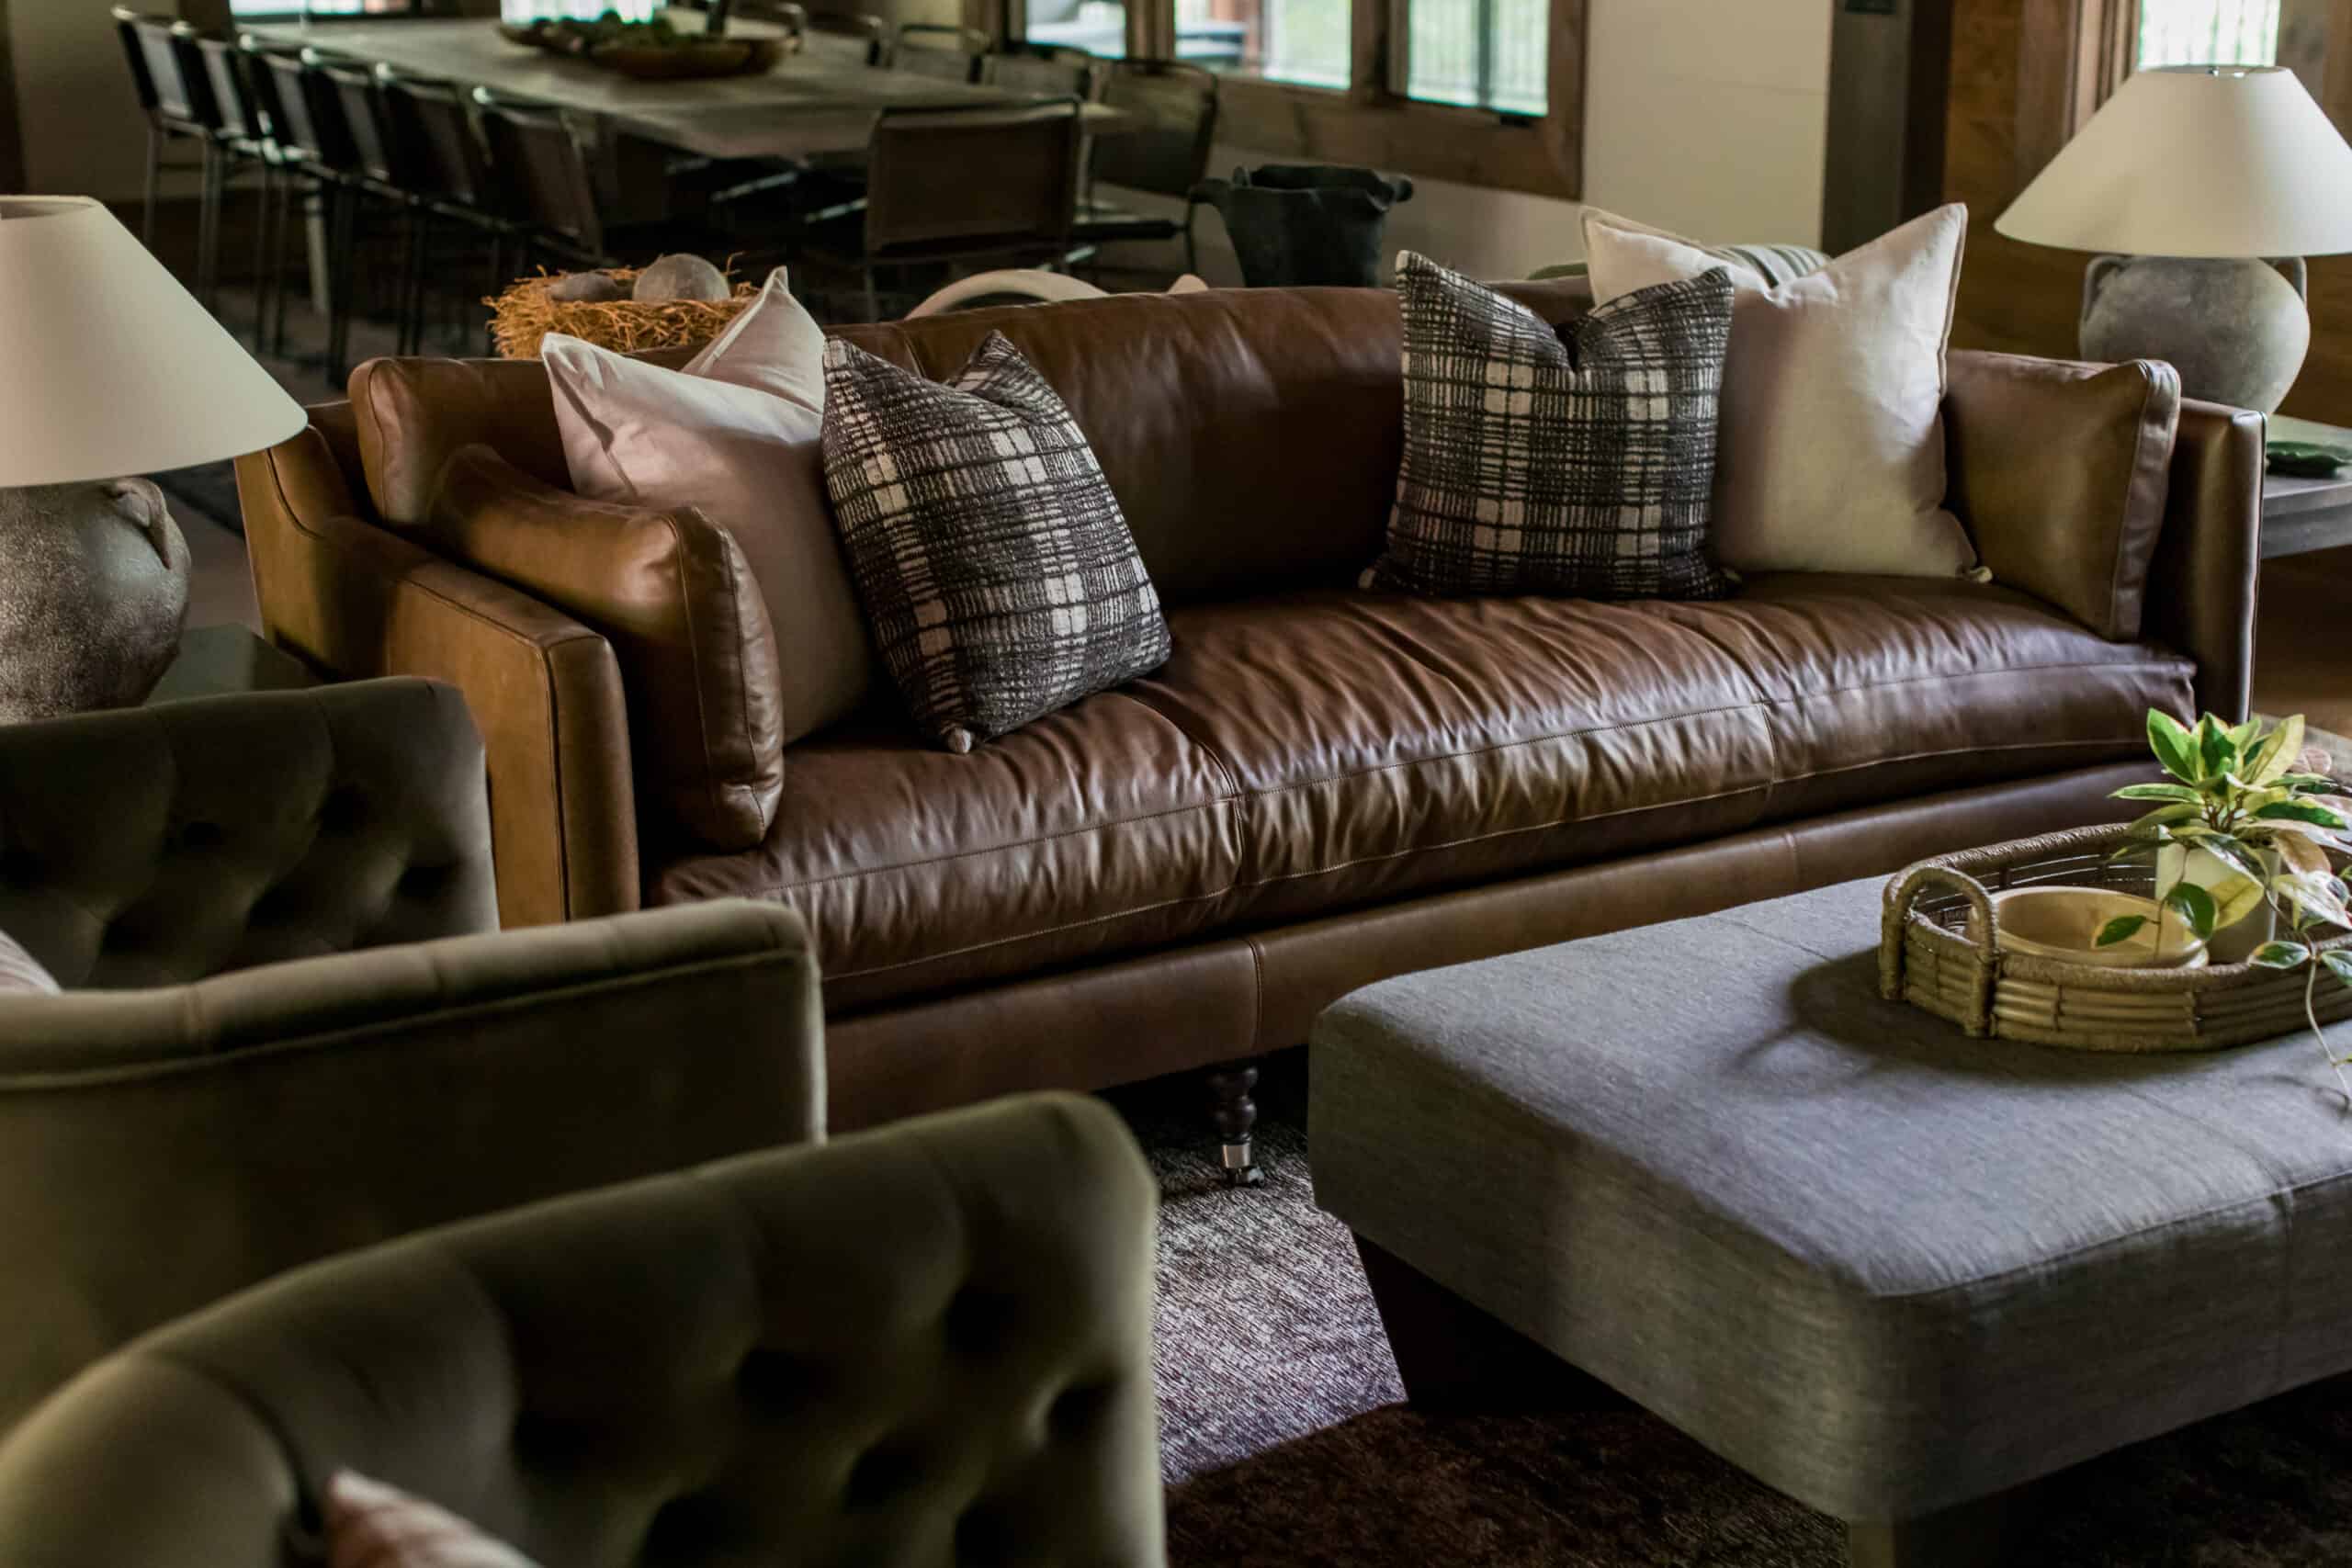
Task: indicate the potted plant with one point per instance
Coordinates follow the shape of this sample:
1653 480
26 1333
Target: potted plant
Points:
2249 800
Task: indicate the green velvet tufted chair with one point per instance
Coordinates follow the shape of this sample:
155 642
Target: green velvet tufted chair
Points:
289 1025
924 1345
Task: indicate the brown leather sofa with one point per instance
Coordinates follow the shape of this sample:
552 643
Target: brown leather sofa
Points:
1322 787
289 1025
926 1344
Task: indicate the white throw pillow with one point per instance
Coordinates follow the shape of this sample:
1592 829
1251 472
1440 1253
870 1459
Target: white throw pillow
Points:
1831 453
738 434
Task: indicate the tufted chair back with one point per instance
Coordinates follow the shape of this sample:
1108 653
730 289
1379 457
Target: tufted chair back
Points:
922 1346
155 846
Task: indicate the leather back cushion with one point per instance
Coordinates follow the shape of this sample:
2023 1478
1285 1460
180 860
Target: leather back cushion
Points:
155 846
930 1345
2061 471
1250 435
672 591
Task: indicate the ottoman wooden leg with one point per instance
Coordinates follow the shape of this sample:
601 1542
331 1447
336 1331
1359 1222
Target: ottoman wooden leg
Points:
1973 1535
1452 1354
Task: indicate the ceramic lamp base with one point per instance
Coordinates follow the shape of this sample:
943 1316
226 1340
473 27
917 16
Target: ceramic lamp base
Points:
92 596
2235 329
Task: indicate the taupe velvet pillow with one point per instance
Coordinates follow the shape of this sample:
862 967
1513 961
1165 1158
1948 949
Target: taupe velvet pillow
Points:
2061 471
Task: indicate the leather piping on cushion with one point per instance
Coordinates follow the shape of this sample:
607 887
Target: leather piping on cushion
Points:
672 591
1229 997
2060 472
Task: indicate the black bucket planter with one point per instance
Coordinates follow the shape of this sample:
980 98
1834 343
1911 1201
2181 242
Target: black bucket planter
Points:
1300 225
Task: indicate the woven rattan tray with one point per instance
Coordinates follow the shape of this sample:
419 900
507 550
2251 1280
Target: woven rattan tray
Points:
1928 957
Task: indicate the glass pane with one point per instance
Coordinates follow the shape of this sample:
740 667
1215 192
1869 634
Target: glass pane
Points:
1304 41
1493 54
2209 32
319 7
1097 27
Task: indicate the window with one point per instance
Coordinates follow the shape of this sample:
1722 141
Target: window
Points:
2208 32
1486 53
1301 41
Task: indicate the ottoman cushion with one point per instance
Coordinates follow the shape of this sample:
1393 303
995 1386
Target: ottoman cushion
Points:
1884 1268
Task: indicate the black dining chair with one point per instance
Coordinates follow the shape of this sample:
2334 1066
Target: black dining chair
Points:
1060 74
449 168
939 49
548 185
239 143
163 128
1172 106
988 183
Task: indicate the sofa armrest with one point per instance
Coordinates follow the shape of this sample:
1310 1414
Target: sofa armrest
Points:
357 600
2208 557
210 1136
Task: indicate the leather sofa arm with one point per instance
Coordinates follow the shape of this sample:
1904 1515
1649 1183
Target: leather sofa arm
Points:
213 1135
2208 557
357 600
2066 451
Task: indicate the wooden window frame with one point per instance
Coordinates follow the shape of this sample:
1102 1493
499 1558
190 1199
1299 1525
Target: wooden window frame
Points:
1370 122
2071 55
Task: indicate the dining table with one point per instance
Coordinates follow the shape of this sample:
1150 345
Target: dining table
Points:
804 107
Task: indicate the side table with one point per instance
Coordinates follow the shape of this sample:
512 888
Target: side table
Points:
214 661
2300 516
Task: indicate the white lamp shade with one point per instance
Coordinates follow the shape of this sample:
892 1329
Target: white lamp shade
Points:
2197 161
109 366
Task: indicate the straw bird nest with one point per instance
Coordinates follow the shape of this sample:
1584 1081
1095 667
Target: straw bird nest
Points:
524 314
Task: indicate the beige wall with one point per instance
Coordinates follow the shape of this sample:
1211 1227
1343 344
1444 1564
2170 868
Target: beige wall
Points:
83 135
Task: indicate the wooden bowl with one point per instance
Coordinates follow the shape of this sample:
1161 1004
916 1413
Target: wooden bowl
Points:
686 61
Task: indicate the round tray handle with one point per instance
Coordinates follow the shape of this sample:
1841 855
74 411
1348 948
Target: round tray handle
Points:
1891 944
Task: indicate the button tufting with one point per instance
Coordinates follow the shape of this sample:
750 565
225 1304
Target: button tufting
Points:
200 835
976 1321
343 808
881 1473
982 1538
776 1379
1077 1409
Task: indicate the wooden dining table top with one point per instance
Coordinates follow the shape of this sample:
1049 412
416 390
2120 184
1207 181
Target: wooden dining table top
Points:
801 107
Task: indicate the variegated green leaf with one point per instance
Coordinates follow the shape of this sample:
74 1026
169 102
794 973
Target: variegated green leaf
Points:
2276 755
2123 928
2195 907
2280 954
2174 748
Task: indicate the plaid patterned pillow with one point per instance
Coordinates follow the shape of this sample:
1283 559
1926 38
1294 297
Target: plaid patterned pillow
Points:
1576 463
997 575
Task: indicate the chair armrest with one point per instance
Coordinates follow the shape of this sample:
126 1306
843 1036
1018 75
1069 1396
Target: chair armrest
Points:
358 600
213 1135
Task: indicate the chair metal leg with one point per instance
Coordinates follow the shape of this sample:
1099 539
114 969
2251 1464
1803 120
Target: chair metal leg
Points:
210 184
410 337
262 254
1191 252
342 252
873 296
154 176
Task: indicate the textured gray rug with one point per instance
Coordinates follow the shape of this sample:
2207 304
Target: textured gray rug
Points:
1285 1443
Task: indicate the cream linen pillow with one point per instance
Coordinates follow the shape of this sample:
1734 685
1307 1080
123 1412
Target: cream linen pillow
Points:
737 435
1831 453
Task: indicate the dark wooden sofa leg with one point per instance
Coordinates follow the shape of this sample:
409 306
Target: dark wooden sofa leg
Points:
1972 1535
1237 1115
1454 1356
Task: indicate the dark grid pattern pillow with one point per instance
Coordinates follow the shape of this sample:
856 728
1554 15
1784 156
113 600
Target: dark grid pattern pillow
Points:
1579 462
997 575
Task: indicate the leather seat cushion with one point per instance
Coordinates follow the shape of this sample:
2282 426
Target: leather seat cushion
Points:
1098 828
1389 744
1316 752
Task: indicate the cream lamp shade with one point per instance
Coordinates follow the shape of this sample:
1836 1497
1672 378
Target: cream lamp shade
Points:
109 366
2197 161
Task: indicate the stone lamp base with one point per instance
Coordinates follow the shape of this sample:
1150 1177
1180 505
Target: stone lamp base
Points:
93 590
2235 329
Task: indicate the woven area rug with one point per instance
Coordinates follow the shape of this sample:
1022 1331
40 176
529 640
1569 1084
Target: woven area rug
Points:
1285 1440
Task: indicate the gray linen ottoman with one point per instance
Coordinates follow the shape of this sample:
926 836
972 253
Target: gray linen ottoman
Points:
1884 1268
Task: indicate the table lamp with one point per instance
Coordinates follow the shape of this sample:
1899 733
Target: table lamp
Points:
2189 172
107 367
